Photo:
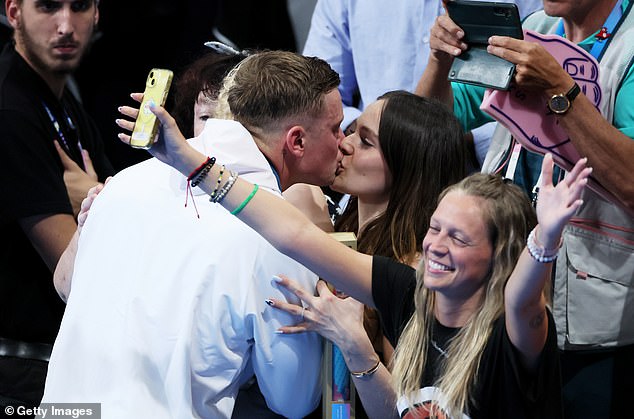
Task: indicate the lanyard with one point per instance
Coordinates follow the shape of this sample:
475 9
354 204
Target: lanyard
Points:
604 33
66 143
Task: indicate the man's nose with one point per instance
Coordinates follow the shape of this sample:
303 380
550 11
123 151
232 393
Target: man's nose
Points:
65 23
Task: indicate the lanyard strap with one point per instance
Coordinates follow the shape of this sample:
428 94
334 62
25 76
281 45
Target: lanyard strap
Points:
604 34
66 144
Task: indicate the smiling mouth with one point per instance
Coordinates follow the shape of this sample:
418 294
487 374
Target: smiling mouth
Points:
438 266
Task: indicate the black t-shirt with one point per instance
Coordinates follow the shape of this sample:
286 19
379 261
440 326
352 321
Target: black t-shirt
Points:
31 183
505 389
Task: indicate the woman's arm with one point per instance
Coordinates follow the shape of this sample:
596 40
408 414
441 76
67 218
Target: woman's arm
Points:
279 222
340 320
526 320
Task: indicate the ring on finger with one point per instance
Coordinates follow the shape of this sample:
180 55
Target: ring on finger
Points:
302 315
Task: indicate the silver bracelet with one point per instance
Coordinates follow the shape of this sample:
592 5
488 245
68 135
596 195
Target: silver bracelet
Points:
233 176
367 372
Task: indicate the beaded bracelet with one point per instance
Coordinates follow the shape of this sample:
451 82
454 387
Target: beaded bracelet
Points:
367 372
538 251
246 201
218 181
233 176
198 174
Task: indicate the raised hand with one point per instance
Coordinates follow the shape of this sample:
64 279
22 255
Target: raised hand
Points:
556 204
536 68
169 141
77 181
445 39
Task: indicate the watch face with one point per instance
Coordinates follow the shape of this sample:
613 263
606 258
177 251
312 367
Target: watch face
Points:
559 104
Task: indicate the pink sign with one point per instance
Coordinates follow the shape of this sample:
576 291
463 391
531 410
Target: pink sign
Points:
528 118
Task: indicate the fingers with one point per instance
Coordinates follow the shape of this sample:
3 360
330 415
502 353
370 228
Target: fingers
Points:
67 162
577 170
299 312
547 171
446 36
324 289
88 166
162 115
510 49
87 203
138 97
124 138
285 283
129 111
125 124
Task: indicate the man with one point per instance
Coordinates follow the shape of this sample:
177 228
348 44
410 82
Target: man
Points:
45 170
167 320
593 288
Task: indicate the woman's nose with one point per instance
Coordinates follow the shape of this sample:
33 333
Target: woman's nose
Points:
346 145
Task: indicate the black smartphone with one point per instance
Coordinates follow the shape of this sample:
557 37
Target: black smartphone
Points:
480 20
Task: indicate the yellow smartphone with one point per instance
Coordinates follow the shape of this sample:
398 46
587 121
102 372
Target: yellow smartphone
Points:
146 125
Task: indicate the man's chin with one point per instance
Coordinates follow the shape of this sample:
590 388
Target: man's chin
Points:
64 68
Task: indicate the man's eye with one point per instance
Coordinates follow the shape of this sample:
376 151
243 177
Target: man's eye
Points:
81 6
48 6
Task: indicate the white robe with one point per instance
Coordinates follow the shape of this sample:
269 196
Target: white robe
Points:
166 316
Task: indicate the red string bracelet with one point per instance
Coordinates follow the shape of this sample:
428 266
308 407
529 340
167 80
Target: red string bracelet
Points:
197 175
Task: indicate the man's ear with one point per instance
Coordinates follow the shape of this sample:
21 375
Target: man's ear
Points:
295 141
12 10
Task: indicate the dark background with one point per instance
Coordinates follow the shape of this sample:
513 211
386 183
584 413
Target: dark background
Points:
135 36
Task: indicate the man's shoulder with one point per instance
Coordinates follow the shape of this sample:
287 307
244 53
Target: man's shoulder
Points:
17 88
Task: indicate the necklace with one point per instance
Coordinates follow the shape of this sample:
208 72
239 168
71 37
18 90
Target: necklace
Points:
440 350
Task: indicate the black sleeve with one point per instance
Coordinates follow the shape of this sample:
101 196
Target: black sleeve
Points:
30 170
393 286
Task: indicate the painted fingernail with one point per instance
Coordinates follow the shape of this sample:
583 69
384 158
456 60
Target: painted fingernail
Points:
269 302
279 332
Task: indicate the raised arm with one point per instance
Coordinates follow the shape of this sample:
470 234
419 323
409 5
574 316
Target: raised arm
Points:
525 305
609 151
445 42
284 226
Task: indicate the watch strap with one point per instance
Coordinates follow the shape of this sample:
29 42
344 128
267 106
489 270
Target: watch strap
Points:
573 92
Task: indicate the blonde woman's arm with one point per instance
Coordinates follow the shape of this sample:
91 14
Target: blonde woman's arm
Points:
526 319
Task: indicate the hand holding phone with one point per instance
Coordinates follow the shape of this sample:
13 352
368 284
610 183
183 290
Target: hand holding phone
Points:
480 20
146 125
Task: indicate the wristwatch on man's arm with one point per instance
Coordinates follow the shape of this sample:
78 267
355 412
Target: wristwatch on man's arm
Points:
561 103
